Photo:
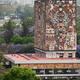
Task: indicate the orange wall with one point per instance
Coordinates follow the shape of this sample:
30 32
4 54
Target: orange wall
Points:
51 66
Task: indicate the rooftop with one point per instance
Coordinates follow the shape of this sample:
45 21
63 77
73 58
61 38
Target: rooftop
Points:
33 59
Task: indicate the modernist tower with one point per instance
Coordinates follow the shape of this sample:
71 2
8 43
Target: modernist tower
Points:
55 32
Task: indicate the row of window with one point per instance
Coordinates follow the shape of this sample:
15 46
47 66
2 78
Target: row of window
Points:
55 71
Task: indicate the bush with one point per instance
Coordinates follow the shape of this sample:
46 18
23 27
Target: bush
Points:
17 39
28 39
17 73
2 40
8 34
22 40
29 48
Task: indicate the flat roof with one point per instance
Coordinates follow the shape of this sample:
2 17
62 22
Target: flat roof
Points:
33 59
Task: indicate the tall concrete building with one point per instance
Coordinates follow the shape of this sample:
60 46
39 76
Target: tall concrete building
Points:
55 29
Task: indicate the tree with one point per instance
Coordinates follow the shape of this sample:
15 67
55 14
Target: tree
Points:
1 77
29 48
78 30
8 26
28 39
26 24
1 57
16 39
27 11
17 73
2 40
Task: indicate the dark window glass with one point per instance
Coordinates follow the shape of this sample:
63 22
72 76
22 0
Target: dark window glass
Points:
61 55
70 55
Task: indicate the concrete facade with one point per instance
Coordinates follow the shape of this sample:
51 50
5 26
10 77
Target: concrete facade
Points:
55 23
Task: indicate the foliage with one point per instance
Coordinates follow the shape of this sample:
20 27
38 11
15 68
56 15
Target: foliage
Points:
29 48
1 77
28 11
27 44
18 73
25 11
26 24
2 40
78 30
1 57
28 39
19 9
22 40
8 26
16 39
21 48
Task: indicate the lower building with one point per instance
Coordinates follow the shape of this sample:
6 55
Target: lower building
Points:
45 67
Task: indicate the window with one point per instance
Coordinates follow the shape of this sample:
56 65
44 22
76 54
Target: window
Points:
70 55
60 55
49 71
68 71
59 71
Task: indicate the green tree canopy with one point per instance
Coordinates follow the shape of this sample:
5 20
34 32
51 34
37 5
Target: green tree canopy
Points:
29 48
18 73
28 39
1 57
8 26
78 30
26 24
27 11
16 39
2 40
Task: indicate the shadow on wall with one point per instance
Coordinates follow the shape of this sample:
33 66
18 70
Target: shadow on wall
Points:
78 51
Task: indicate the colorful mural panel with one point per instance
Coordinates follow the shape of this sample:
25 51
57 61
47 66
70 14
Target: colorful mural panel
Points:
55 24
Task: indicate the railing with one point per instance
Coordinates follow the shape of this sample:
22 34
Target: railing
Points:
59 75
